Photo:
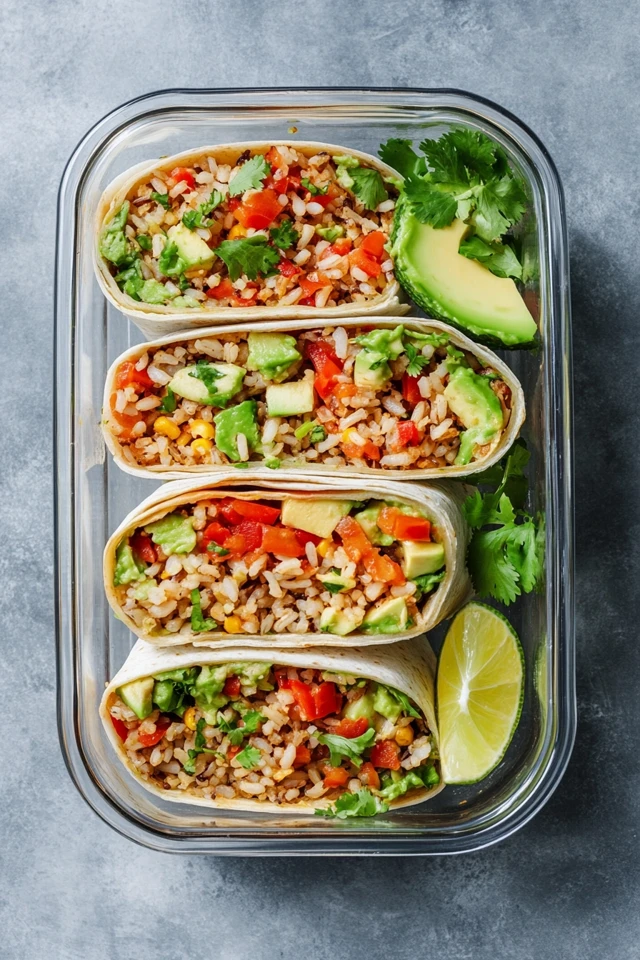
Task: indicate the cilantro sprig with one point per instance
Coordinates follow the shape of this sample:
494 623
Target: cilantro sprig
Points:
340 747
251 256
199 746
362 803
284 236
199 218
249 176
506 553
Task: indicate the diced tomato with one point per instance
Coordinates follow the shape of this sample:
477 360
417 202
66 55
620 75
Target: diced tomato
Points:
408 434
324 199
367 774
227 511
336 777
142 546
232 687
223 291
373 244
259 210
288 184
282 679
304 538
182 175
236 544
120 728
150 739
234 203
303 756
214 532
341 247
308 301
360 258
356 451
282 542
287 268
354 540
275 159
352 728
383 569
312 286
327 700
345 390
412 528
231 752
304 698
123 419
251 534
386 754
127 374
321 354
410 390
256 511
387 520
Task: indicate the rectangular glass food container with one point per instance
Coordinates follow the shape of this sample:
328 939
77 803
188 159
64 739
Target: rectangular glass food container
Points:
93 495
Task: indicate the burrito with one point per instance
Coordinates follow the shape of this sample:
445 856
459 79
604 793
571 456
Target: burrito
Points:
248 231
225 563
346 733
418 400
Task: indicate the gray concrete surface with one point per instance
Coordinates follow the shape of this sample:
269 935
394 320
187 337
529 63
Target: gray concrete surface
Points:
568 885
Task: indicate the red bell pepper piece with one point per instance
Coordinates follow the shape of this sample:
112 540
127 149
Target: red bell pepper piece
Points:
250 532
214 532
142 546
120 728
232 687
412 528
303 756
310 287
256 511
341 247
408 435
282 542
383 569
336 777
326 699
228 512
287 268
386 754
354 539
150 739
373 244
128 374
259 210
410 390
363 261
304 698
367 774
223 291
304 538
182 175
282 679
352 728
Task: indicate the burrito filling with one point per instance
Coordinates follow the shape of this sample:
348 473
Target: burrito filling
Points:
382 398
276 733
299 566
273 230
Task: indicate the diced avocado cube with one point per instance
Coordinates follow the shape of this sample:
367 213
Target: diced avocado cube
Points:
127 568
174 533
421 558
386 704
388 617
336 621
473 401
191 247
163 695
273 354
368 520
242 418
363 707
290 399
336 583
319 517
210 383
138 696
371 371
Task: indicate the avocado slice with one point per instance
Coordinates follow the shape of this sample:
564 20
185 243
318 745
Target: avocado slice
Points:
370 371
335 621
473 401
191 247
211 383
388 617
242 418
368 520
290 399
361 708
386 704
334 582
138 696
319 517
421 558
453 288
273 354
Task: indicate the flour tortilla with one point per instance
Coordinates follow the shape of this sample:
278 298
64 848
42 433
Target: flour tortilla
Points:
157 319
440 504
498 447
408 667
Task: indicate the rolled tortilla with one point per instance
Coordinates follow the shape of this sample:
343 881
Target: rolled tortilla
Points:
408 667
496 449
158 319
437 502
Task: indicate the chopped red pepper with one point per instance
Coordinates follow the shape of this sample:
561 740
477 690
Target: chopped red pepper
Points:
336 777
304 698
410 390
231 752
128 374
352 728
386 754
363 261
250 532
142 546
256 511
341 247
327 367
150 739
287 268
275 159
282 542
327 700
354 540
303 756
259 210
182 175
223 291
227 511
356 451
367 774
403 527
308 301
282 678
304 538
373 244
324 199
232 687
214 532
383 569
120 728
408 434
312 286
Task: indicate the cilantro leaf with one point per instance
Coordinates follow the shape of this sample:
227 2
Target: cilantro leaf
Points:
523 552
368 186
189 766
428 204
249 176
198 218
169 402
400 155
199 624
426 583
170 263
284 235
249 758
360 804
340 747
492 572
217 549
250 255
317 435
313 189
251 719
161 198
208 374
497 257
416 361
460 156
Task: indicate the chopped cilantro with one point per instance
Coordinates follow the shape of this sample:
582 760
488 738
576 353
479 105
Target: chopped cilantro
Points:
497 257
189 766
368 186
416 361
318 434
400 155
170 263
251 255
313 189
340 747
217 549
169 402
362 803
199 624
249 176
198 218
208 374
284 235
161 198
249 758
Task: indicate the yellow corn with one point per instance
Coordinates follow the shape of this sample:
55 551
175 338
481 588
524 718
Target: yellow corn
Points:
184 438
404 736
200 428
202 447
194 272
237 231
281 774
170 218
189 718
164 575
167 428
323 546
233 624
345 435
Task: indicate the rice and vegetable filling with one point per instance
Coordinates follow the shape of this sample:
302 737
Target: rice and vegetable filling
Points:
381 397
295 565
275 733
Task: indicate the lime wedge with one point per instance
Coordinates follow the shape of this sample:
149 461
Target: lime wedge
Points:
480 691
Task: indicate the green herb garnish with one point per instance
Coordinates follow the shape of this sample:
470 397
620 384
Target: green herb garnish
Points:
199 624
284 235
249 176
251 256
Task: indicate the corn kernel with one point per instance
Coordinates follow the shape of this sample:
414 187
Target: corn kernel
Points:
233 624
167 428
184 439
323 546
170 218
281 774
202 447
237 231
189 718
404 736
200 428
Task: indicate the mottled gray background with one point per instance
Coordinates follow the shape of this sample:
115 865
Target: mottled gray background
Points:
568 885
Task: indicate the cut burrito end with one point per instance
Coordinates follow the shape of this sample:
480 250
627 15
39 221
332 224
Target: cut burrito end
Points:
268 734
